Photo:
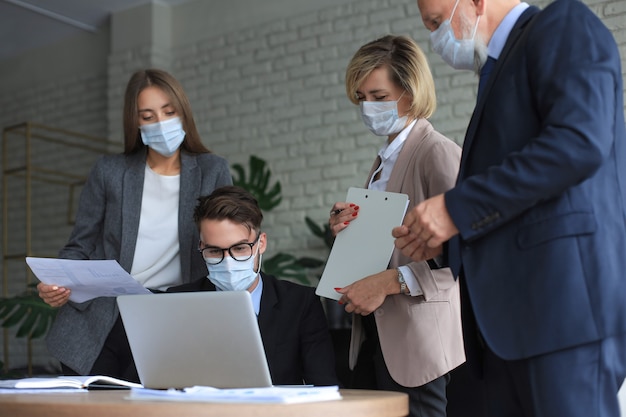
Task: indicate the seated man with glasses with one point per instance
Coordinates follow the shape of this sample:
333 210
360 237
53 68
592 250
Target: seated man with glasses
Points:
293 326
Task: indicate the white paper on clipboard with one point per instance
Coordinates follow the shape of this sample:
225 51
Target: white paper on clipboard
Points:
365 246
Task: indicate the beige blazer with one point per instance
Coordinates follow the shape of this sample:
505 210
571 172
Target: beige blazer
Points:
420 337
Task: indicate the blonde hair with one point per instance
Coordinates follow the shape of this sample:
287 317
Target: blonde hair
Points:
407 66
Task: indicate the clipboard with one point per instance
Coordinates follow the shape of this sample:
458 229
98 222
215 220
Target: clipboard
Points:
365 246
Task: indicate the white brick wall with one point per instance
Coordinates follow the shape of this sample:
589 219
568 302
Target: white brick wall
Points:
274 90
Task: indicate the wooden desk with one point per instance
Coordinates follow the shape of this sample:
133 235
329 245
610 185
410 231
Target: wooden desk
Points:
362 403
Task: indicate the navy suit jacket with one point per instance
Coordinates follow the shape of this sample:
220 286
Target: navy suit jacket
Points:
541 193
294 330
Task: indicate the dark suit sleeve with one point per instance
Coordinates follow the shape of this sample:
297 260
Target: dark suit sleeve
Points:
318 357
562 79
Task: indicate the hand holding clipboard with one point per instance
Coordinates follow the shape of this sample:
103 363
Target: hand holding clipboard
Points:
365 246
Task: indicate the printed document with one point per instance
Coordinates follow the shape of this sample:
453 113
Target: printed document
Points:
275 394
86 279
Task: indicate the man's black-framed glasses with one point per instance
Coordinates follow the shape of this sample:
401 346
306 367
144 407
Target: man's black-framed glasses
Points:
239 252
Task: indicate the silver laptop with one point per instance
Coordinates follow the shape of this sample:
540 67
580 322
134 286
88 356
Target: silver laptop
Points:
204 338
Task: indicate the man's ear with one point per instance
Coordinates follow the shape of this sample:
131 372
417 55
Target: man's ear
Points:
262 242
480 6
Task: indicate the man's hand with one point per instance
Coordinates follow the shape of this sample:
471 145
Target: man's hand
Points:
424 230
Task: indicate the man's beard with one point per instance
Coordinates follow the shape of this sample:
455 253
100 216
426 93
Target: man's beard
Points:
480 48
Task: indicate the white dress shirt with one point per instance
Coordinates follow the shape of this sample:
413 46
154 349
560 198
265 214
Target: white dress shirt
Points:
388 155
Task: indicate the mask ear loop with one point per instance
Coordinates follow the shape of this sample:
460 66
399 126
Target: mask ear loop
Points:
475 27
260 261
453 10
408 115
257 253
452 14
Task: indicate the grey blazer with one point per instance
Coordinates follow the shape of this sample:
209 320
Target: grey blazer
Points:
106 227
420 337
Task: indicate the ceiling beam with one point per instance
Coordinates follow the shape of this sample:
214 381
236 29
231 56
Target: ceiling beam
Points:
53 15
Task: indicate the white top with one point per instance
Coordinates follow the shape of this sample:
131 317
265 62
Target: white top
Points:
156 263
389 155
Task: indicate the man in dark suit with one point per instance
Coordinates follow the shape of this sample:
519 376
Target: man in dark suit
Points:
291 320
536 224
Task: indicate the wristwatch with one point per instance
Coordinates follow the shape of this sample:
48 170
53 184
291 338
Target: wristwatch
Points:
403 288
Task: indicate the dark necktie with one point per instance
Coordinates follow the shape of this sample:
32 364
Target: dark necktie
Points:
484 74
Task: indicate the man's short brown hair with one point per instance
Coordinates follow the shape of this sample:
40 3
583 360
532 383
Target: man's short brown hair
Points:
230 203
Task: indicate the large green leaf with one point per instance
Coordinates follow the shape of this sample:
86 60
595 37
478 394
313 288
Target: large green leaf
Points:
323 232
257 183
283 265
27 310
309 263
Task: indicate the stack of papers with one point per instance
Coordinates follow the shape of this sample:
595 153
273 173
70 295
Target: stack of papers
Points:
283 395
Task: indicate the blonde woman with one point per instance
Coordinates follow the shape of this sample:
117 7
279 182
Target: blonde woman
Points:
406 333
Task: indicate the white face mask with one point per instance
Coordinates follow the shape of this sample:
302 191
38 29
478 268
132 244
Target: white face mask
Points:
232 275
163 137
381 117
459 54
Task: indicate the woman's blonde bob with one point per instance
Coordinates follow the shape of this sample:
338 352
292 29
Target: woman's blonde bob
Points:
407 66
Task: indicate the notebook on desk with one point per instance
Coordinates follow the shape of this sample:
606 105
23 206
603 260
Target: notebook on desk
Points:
181 340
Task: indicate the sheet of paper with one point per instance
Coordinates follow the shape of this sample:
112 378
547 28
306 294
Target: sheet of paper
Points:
86 279
276 394
365 246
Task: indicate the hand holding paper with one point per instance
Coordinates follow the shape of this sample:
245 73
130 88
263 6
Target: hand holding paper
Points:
53 295
86 279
